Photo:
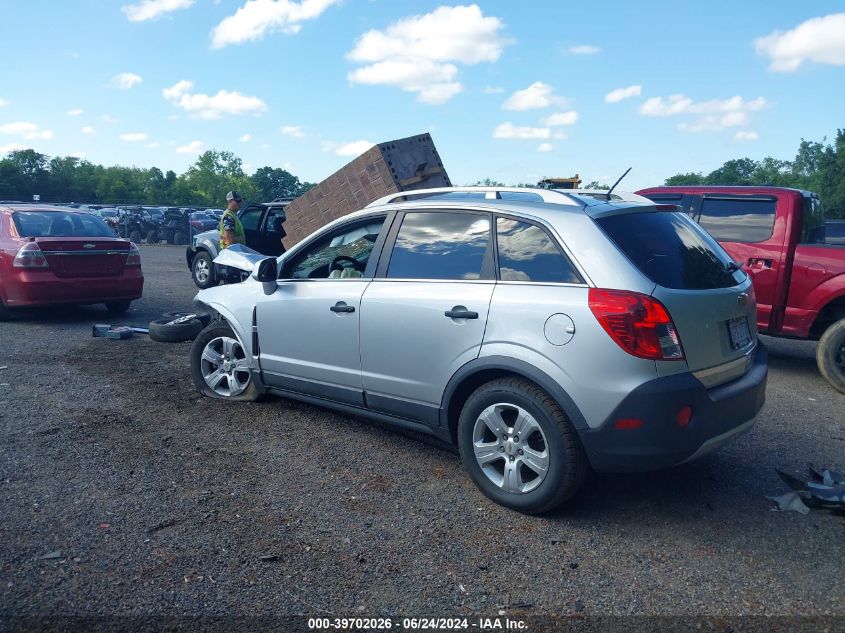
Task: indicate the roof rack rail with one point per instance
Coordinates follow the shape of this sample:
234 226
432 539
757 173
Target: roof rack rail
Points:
490 193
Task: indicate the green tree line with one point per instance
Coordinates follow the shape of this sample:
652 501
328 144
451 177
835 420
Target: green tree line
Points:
25 173
818 167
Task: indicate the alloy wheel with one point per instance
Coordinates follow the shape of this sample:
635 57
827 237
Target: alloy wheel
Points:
510 448
225 367
201 270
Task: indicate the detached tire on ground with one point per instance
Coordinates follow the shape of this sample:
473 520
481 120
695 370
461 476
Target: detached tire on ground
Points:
174 330
830 355
220 366
202 317
519 447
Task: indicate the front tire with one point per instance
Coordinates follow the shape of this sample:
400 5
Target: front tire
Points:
519 447
830 355
202 270
220 367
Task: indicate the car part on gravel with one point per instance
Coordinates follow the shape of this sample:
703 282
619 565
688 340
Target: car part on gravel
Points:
825 488
177 330
219 365
203 317
101 330
830 355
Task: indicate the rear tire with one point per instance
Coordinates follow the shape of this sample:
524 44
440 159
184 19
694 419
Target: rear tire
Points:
534 473
214 342
118 307
163 331
202 270
179 238
152 237
830 355
135 236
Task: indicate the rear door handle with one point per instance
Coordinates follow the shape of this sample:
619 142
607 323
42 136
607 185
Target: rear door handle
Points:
341 307
758 262
460 312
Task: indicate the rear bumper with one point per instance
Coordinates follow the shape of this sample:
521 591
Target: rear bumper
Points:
719 415
40 288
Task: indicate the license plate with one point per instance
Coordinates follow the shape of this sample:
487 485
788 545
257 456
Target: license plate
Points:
740 334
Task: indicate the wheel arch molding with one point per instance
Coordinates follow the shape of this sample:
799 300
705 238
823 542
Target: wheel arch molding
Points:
481 370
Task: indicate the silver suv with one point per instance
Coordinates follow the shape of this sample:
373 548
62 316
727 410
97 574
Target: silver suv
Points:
542 332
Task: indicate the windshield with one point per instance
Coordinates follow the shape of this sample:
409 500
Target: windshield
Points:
672 250
59 224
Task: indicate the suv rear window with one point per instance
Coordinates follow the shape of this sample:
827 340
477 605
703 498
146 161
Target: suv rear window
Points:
738 219
671 250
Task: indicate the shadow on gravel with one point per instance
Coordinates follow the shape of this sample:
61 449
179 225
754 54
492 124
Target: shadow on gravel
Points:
67 314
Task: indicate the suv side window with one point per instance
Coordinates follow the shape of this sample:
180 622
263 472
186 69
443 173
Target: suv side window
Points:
440 245
342 254
251 218
738 219
527 253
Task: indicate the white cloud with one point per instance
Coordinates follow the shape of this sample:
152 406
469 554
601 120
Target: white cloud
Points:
706 116
681 104
151 9
257 18
493 90
88 130
133 137
510 131
75 112
246 138
584 49
11 147
154 145
293 131
562 118
194 147
26 130
615 96
420 53
820 40
356 148
212 106
746 136
3 102
535 97
545 147
108 119
125 81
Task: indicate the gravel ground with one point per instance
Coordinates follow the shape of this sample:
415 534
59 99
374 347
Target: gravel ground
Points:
123 491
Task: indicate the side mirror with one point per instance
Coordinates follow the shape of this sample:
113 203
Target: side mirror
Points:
266 271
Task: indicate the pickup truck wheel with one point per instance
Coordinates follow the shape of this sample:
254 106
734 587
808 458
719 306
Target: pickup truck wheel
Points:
830 355
220 366
519 447
202 270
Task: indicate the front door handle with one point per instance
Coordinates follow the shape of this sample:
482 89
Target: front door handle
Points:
460 312
341 307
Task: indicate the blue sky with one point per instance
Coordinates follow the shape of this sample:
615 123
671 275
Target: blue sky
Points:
509 90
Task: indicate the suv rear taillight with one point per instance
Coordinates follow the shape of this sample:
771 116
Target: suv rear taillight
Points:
638 323
30 256
133 257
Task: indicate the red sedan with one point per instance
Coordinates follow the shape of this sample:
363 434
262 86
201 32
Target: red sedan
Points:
51 255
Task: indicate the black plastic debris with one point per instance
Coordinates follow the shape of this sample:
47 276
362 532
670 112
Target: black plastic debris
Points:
825 488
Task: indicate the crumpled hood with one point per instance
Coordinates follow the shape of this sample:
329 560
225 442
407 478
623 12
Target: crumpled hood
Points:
240 257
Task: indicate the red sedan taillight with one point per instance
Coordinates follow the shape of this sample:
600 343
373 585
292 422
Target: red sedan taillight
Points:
30 256
133 257
638 323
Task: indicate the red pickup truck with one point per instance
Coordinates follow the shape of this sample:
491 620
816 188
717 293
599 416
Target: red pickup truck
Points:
778 237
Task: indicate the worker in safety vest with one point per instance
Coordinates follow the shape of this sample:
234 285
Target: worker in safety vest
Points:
231 229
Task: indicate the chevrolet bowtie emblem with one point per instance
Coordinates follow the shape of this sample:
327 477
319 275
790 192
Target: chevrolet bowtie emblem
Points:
89 246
